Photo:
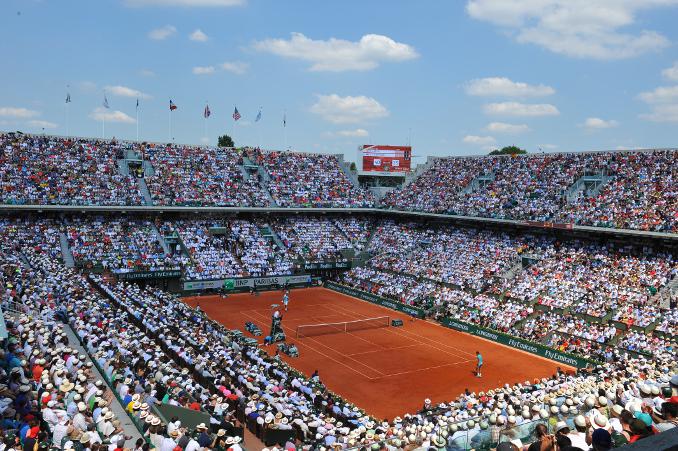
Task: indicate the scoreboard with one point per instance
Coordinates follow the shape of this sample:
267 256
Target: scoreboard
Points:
380 158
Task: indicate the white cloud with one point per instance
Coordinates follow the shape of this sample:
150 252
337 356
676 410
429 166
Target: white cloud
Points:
17 113
235 67
348 110
577 28
147 73
161 33
521 109
662 113
337 55
596 123
671 73
479 140
101 114
203 70
198 35
504 87
662 94
42 124
357 133
124 91
187 3
503 127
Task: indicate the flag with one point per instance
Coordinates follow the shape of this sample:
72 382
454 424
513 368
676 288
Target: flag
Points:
68 97
207 112
258 116
172 106
284 119
137 104
236 115
106 102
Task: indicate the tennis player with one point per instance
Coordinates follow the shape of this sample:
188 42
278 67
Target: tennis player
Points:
479 363
286 299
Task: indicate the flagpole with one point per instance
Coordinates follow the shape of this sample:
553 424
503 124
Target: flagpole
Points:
103 126
68 120
137 123
169 131
285 128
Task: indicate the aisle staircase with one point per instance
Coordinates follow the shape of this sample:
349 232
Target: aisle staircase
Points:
66 254
161 239
268 232
143 188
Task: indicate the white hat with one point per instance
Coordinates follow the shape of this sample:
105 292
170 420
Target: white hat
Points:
561 425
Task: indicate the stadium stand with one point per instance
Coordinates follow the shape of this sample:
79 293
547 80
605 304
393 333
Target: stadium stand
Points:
634 190
144 350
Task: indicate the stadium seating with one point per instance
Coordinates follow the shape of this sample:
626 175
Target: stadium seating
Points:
598 301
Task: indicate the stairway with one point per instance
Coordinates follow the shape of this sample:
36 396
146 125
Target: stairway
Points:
148 169
143 188
420 169
589 184
66 254
129 429
346 168
274 236
123 168
161 239
513 271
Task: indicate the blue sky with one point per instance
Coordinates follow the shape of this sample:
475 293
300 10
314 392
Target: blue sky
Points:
454 77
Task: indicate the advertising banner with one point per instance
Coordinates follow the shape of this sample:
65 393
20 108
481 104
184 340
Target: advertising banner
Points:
144 275
518 343
394 305
246 283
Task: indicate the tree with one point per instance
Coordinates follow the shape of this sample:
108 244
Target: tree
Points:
225 141
353 168
509 150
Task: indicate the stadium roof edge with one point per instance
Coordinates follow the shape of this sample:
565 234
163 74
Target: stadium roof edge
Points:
7 208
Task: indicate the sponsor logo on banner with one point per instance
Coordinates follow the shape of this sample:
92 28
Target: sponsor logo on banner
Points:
395 163
230 284
376 162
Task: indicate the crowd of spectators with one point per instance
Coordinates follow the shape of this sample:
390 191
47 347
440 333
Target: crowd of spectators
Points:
311 238
73 171
357 230
593 279
201 176
211 255
403 289
118 245
648 343
259 255
638 192
152 349
308 180
465 258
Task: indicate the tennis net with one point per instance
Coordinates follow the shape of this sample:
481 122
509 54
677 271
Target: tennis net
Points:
307 330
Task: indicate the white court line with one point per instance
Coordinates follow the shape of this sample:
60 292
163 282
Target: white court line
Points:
322 354
425 369
399 332
386 349
332 349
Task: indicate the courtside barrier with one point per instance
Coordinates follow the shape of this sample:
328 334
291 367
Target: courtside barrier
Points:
246 283
519 343
373 298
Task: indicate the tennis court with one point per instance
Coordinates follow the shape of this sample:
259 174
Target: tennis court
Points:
387 371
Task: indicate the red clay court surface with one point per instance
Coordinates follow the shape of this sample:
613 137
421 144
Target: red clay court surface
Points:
386 371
